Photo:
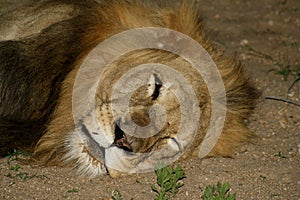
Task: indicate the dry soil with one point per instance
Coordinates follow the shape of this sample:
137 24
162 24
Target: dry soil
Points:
265 35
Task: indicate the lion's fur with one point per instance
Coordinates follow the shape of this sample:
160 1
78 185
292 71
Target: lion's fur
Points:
39 66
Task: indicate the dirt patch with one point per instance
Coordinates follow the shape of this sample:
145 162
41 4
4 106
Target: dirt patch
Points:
266 36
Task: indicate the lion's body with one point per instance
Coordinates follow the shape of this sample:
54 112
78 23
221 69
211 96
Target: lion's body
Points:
42 47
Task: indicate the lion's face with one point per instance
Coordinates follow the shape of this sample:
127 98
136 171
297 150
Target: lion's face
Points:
143 104
139 119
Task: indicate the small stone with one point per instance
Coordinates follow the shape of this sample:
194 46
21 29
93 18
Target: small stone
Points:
217 16
271 22
244 42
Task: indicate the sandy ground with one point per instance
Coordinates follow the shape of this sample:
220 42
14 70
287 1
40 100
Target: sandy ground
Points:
265 35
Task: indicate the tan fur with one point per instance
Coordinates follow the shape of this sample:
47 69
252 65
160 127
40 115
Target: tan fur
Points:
116 16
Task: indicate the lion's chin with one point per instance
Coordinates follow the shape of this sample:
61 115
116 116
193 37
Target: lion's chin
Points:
116 173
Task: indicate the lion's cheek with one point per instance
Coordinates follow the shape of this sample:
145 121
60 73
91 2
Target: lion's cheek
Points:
117 162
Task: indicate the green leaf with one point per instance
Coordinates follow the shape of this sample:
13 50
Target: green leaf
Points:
168 186
218 192
154 189
167 178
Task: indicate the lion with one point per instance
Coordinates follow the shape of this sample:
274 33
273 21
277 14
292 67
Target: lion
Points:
43 46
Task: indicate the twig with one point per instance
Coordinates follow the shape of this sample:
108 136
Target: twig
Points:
260 54
284 100
294 82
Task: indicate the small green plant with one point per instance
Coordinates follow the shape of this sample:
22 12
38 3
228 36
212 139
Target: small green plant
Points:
279 155
283 2
294 44
284 69
13 156
15 168
73 190
138 181
116 195
219 192
262 177
168 179
288 70
275 195
24 176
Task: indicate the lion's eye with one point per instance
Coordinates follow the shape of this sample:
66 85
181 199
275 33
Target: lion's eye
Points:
155 84
156 91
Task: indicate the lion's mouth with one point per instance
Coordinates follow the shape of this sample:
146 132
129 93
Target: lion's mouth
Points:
120 140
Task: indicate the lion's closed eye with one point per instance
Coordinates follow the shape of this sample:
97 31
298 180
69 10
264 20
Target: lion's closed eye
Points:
154 86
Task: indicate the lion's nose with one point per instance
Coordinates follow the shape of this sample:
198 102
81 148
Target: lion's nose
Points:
121 140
